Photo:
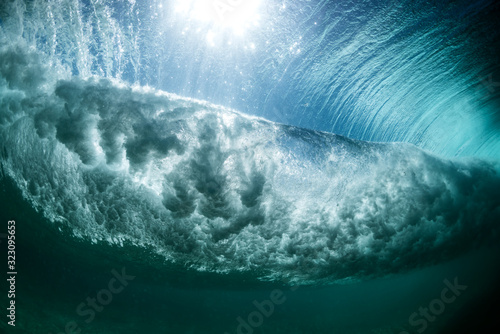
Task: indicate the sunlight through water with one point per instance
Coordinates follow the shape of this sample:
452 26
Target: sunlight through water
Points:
235 16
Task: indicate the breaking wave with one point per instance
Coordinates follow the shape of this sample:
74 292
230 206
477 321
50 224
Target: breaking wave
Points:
217 190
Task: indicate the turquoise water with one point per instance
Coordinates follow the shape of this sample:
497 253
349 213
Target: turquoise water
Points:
287 167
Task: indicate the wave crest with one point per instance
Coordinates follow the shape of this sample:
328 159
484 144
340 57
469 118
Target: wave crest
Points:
218 190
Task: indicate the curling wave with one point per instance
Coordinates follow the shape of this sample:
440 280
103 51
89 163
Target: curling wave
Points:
217 190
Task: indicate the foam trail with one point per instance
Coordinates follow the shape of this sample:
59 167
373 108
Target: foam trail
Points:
221 191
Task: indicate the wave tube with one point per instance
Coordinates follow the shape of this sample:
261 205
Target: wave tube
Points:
217 190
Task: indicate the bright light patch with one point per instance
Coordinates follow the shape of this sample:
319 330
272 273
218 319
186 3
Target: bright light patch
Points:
236 15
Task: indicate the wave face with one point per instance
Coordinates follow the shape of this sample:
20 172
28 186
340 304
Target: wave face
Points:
217 190
400 71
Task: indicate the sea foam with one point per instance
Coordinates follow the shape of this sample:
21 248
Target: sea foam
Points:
217 190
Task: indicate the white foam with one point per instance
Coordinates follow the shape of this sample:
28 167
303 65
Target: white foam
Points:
221 191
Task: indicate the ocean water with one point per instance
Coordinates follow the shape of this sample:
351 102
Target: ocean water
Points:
250 167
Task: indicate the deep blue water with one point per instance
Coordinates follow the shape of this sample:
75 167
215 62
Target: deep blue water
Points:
251 167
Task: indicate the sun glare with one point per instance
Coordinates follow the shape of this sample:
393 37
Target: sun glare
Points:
235 15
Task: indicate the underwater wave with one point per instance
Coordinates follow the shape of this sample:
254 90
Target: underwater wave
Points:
217 190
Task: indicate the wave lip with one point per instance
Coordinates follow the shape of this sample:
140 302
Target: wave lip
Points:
217 190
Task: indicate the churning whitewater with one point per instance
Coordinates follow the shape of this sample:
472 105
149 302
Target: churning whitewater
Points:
216 190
